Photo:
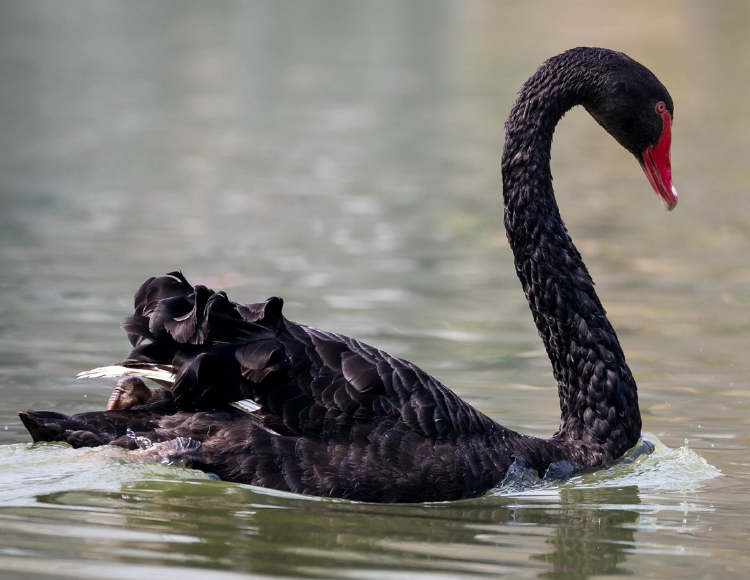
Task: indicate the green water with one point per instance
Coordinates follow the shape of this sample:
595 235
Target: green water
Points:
345 155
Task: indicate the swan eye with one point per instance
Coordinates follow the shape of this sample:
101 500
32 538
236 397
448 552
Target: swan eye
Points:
661 107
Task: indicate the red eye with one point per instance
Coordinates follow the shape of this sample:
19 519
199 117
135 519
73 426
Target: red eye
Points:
661 107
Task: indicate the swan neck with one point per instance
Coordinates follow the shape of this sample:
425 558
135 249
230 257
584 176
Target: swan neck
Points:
598 398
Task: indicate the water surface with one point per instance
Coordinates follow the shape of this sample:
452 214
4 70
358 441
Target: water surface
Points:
346 157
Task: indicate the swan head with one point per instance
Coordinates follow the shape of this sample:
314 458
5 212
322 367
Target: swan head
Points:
633 106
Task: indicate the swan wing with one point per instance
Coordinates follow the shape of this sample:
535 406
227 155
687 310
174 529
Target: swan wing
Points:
218 352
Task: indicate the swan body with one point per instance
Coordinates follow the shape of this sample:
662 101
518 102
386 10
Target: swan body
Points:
253 397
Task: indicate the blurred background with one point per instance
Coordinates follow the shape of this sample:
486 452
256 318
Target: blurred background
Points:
346 156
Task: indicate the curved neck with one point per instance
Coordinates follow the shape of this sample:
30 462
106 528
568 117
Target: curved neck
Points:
598 399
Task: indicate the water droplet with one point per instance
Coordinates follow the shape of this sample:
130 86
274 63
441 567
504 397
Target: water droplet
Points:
141 442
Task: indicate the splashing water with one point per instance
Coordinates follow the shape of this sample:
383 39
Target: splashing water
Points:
664 469
33 470
650 466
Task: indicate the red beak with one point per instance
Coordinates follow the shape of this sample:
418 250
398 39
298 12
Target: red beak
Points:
658 166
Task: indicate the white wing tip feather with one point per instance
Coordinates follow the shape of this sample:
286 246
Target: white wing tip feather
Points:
115 371
247 405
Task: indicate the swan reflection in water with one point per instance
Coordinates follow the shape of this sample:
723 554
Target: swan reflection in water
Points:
563 533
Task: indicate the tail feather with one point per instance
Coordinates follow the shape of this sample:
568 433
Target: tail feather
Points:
51 426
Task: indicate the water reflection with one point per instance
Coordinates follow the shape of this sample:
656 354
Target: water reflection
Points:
565 533
592 539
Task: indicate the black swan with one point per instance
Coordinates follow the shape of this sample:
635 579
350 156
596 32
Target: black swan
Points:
255 398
